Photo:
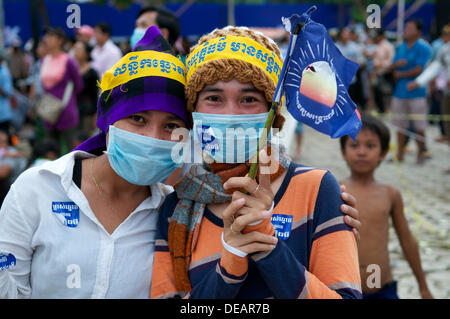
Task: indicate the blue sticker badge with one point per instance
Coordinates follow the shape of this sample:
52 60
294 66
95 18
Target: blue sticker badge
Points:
67 212
282 225
208 140
7 261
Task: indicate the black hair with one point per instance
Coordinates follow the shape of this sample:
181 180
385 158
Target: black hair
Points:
341 30
379 31
58 31
88 48
80 136
8 135
42 148
104 27
376 126
164 19
417 22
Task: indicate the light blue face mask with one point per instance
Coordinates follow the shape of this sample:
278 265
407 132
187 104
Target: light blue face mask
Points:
228 138
141 160
138 34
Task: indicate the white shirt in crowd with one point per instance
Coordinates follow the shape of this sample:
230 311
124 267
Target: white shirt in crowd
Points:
104 57
62 250
440 64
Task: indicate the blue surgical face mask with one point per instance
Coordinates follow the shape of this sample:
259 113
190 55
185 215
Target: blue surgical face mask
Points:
141 160
138 34
228 138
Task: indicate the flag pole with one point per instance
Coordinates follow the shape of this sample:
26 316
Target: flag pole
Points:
275 102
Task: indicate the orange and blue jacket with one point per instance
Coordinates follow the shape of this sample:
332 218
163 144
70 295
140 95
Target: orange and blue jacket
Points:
316 255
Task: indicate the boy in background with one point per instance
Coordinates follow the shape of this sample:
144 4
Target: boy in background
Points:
377 203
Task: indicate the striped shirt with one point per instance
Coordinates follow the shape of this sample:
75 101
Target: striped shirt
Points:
315 257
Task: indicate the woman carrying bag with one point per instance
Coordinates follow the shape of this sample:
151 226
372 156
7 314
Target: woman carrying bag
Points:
61 80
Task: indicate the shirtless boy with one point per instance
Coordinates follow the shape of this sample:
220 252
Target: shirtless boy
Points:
377 203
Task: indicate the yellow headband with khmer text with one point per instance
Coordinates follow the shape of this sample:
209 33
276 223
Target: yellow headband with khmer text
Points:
143 63
235 47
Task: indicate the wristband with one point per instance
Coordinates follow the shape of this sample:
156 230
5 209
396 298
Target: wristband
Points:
233 250
258 221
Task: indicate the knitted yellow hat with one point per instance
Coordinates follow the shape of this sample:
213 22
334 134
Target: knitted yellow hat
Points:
234 53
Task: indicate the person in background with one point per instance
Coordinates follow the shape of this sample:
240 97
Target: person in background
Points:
85 33
438 85
35 93
68 46
378 203
79 138
164 19
182 46
105 54
12 163
18 63
440 63
87 98
410 59
382 59
349 48
57 70
6 87
353 51
34 80
44 151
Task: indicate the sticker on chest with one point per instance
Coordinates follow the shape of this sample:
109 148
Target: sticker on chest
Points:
7 261
282 225
67 212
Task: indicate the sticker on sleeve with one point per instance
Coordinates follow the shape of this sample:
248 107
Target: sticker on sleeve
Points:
7 261
282 225
67 212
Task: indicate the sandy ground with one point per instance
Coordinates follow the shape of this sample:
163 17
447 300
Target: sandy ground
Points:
426 195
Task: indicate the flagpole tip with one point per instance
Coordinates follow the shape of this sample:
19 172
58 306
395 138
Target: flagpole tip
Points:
311 10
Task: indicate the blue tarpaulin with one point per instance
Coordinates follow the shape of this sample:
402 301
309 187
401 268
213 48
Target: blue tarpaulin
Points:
197 19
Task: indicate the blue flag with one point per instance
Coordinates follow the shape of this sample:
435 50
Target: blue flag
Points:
316 77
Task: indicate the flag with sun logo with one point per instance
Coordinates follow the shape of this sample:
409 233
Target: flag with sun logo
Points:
316 79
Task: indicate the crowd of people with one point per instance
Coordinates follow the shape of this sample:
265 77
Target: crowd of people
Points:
391 80
62 65
388 82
